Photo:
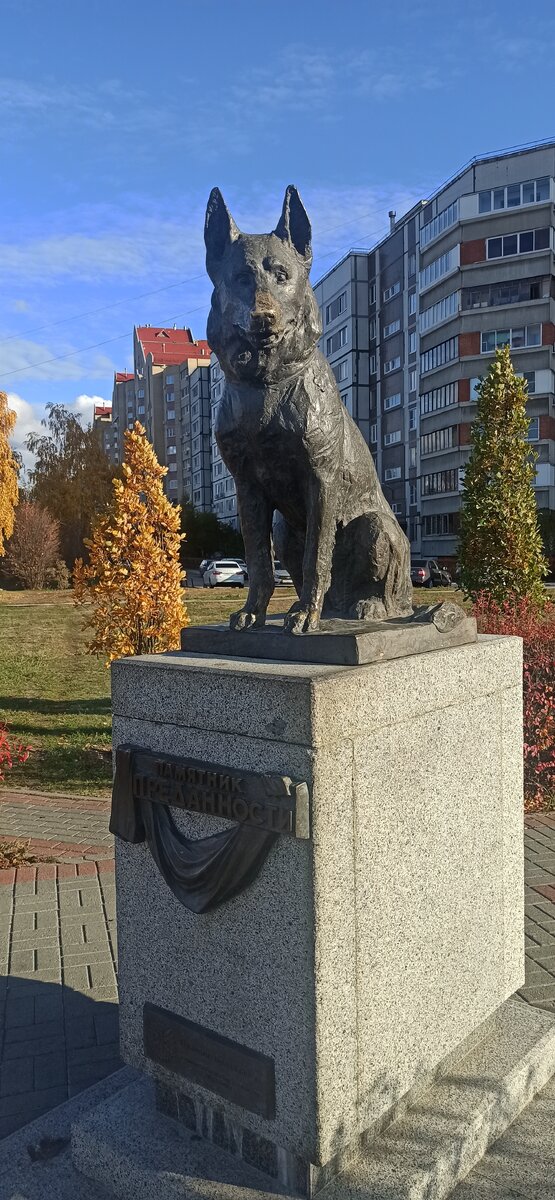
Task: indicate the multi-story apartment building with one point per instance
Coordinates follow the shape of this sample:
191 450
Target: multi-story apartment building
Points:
159 354
124 412
410 327
102 423
195 435
224 494
163 360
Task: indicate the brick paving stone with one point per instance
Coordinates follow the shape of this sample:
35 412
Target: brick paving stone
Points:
56 936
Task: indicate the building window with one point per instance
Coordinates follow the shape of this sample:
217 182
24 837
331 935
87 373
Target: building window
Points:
439 267
439 482
393 364
412 304
440 524
442 397
491 295
337 340
413 379
534 191
393 327
392 291
395 508
141 410
169 379
392 401
412 343
172 484
373 433
170 432
336 307
413 493
518 243
170 414
140 393
372 364
439 224
170 397
392 473
438 355
524 335
390 439
172 468
440 439
442 311
413 417
412 456
372 293
530 379
171 449
341 370
533 429
412 264
344 396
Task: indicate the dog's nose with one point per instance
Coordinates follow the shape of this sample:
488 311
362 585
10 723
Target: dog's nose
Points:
264 311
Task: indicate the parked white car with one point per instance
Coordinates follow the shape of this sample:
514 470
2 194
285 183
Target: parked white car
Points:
281 575
224 572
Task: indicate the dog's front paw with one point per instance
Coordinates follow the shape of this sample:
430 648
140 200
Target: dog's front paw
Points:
300 620
244 619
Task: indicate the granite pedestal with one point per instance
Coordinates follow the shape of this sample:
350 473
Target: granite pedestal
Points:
360 958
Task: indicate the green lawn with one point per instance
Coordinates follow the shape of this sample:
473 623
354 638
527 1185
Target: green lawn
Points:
56 698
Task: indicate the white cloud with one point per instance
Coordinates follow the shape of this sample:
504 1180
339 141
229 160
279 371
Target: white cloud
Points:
106 107
20 306
28 421
84 406
37 361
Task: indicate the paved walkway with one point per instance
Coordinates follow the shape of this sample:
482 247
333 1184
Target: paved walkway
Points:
58 997
58 994
539 922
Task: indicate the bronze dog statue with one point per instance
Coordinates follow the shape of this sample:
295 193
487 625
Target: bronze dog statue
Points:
299 462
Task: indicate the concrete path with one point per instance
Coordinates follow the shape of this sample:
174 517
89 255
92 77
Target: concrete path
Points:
58 994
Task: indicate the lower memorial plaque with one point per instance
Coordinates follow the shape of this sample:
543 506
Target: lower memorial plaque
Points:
235 1072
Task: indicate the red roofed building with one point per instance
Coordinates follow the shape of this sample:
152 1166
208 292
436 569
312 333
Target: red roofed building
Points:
165 358
169 393
102 422
170 346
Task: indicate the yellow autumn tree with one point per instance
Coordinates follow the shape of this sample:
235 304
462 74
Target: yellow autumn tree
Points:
133 577
9 473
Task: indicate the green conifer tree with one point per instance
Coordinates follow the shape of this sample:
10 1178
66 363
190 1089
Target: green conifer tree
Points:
500 549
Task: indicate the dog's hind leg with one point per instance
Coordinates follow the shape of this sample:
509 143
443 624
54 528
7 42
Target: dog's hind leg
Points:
387 591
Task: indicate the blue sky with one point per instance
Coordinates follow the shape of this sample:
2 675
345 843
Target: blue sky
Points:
117 118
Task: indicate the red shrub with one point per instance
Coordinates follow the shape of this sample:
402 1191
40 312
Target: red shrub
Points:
10 752
536 626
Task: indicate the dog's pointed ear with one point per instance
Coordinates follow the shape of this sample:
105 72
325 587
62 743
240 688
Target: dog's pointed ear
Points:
219 230
294 226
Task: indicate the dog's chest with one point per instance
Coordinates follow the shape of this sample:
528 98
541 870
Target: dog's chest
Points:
266 421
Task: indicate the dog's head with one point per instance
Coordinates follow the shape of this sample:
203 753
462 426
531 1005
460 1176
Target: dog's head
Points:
264 321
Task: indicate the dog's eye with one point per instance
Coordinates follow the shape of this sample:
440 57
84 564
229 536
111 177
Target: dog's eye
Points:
281 275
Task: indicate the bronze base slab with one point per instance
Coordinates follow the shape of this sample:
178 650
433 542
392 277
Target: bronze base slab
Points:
338 642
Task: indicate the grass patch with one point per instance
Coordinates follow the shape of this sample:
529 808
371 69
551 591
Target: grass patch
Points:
56 698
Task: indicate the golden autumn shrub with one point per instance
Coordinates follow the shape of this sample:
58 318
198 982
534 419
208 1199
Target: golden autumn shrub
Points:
8 473
133 577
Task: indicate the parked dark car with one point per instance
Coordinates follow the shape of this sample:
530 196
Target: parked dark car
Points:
426 572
